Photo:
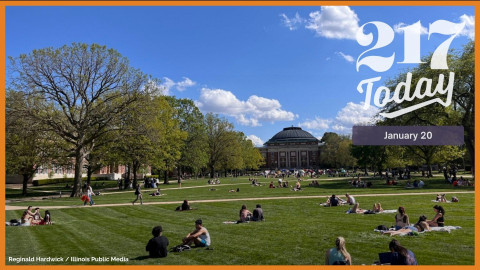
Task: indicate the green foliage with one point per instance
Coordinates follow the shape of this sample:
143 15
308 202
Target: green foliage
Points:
42 182
336 151
83 89
461 112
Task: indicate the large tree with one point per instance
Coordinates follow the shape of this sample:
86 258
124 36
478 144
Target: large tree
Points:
85 88
461 112
194 155
29 144
220 136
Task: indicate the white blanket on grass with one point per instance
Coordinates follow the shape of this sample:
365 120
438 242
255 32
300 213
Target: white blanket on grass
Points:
383 212
440 201
432 229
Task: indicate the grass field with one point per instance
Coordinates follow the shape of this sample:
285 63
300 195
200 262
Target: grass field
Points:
297 231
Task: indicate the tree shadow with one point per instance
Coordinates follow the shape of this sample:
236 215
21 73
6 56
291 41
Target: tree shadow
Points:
140 258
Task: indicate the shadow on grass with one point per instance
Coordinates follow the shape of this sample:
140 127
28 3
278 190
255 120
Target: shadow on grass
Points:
140 258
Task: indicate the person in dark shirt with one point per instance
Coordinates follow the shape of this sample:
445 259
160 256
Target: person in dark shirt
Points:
258 213
402 256
157 246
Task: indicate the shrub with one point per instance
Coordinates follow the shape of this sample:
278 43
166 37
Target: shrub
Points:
42 182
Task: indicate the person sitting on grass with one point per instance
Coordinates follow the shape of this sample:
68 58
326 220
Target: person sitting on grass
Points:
25 221
30 214
184 207
438 220
244 214
47 218
258 213
271 185
339 254
401 218
298 186
37 217
156 193
157 246
200 236
454 199
402 256
420 226
350 199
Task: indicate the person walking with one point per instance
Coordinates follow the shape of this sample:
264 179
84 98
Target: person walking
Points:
90 193
138 192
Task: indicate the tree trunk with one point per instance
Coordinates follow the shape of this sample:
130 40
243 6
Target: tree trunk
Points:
127 177
77 182
135 167
89 174
212 172
26 177
165 177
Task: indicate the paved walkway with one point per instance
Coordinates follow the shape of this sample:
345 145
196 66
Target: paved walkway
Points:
10 207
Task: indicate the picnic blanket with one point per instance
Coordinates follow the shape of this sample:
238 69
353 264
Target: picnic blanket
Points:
432 229
364 211
440 201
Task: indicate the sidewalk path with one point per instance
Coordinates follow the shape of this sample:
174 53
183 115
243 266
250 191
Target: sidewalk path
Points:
10 207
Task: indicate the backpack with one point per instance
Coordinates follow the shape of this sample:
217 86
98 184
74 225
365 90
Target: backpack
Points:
382 228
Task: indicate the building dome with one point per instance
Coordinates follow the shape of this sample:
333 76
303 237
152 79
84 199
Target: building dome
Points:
292 135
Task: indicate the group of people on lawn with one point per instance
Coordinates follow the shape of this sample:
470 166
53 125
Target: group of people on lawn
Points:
157 246
30 217
402 256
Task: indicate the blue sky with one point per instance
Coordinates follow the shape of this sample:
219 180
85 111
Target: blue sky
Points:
264 68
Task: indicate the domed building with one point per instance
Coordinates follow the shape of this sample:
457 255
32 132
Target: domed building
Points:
291 148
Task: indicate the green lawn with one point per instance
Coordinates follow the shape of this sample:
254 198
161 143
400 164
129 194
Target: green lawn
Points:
296 231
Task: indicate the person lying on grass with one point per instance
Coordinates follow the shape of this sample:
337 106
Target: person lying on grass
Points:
356 209
157 246
156 193
377 208
200 236
438 220
420 226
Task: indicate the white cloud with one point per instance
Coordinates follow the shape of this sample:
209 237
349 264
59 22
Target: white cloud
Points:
347 57
292 23
251 112
181 86
340 128
169 84
350 115
396 28
354 113
469 29
255 140
334 22
317 123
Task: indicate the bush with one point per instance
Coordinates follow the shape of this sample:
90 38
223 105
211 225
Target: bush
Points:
42 182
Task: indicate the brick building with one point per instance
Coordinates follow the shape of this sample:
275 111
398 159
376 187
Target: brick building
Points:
291 148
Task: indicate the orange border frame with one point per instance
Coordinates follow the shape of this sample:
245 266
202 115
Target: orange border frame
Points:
4 4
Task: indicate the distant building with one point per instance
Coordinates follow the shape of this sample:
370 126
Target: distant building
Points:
291 148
